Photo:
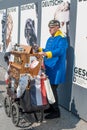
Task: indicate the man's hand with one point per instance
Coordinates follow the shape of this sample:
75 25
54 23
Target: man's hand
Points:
42 53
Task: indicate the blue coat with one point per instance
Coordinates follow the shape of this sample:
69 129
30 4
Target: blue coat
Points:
56 66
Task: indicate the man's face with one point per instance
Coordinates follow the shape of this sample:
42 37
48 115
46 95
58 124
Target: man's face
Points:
53 30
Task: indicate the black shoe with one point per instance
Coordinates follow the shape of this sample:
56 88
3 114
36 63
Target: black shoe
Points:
52 115
49 110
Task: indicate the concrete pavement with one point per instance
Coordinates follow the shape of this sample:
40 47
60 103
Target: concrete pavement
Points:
68 121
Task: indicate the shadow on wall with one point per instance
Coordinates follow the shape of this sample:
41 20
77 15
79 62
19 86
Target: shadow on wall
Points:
64 91
73 108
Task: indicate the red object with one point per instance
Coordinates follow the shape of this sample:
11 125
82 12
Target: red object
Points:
43 91
7 81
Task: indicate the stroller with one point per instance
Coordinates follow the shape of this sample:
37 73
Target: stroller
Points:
26 93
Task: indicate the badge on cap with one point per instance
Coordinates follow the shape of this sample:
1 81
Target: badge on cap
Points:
54 23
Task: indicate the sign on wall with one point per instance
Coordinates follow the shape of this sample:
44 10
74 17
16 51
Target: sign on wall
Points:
80 66
11 27
2 29
58 10
28 24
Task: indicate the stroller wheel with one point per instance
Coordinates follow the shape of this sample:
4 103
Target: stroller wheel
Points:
15 114
7 106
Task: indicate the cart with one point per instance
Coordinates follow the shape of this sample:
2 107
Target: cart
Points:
22 62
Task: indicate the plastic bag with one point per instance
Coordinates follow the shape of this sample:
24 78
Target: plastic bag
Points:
50 95
23 82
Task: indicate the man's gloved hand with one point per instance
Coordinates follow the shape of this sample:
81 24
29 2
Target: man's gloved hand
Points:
42 53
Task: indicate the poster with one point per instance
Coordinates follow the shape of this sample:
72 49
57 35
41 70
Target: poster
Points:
80 66
2 29
28 24
11 27
58 10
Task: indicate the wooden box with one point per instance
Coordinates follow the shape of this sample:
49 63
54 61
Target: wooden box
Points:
22 62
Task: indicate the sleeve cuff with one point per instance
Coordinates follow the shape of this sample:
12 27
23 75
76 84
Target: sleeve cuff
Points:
49 54
40 49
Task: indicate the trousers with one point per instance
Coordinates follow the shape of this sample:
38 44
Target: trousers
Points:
55 106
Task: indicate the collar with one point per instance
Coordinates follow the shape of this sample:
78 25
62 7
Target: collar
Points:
59 33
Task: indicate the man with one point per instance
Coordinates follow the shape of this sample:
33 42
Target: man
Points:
55 63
